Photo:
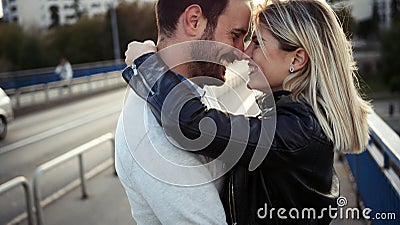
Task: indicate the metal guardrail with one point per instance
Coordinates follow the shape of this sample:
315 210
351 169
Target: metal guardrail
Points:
377 170
17 181
45 92
77 152
18 79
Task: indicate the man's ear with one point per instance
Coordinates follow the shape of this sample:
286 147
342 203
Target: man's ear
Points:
194 21
300 59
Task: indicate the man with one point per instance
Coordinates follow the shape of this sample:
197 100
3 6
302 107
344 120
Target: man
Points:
154 200
64 70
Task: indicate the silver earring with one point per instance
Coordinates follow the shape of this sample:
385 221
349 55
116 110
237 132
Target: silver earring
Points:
291 69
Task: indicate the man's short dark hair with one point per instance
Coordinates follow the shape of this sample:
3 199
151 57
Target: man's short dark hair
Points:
169 11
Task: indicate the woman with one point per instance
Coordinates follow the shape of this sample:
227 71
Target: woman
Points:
303 53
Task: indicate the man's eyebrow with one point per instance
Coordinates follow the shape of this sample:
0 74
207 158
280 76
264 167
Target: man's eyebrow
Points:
240 30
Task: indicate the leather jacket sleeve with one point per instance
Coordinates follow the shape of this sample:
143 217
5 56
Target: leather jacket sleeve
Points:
206 131
298 169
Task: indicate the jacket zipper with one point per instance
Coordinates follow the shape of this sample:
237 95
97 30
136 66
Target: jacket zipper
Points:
232 206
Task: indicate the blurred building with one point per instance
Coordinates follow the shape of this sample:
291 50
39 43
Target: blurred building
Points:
366 51
363 9
45 13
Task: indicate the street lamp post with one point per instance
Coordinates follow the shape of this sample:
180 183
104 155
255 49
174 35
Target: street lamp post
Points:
114 27
8 11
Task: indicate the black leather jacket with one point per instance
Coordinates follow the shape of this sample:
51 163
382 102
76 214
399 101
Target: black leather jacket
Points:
296 174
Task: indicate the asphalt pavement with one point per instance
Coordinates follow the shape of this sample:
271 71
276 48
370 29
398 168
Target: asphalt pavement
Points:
107 203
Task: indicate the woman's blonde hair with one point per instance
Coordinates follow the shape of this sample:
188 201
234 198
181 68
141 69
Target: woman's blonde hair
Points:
328 82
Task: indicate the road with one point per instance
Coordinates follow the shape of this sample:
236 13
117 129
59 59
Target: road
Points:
39 137
42 136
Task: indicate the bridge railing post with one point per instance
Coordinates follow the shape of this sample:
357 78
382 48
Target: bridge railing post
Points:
17 181
77 152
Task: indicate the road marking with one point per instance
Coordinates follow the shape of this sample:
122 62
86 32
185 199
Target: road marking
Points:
58 130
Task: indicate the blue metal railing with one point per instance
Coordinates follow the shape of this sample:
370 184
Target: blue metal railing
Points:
18 79
376 172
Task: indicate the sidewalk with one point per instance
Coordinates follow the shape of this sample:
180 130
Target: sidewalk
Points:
347 190
107 204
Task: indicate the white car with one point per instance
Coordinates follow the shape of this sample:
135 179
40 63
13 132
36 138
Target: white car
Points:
6 113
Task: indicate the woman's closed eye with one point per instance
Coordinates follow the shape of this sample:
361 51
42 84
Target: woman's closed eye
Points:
255 41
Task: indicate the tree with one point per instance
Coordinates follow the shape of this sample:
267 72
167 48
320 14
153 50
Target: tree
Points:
11 36
390 51
369 29
20 50
394 7
135 22
88 40
78 11
55 16
375 18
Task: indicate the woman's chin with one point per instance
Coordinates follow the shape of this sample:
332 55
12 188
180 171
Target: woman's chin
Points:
249 86
255 88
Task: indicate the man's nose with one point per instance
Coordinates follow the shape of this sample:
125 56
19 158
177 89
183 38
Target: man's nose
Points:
249 51
240 46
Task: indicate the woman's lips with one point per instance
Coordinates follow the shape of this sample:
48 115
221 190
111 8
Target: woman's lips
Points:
252 68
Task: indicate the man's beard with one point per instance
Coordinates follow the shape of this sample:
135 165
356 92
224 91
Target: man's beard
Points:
205 56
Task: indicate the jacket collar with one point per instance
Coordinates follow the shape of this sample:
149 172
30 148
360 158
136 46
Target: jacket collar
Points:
281 95
265 101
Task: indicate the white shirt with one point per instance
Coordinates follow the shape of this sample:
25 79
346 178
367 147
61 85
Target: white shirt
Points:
65 71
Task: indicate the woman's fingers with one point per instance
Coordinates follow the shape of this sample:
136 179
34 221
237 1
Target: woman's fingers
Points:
150 43
136 49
